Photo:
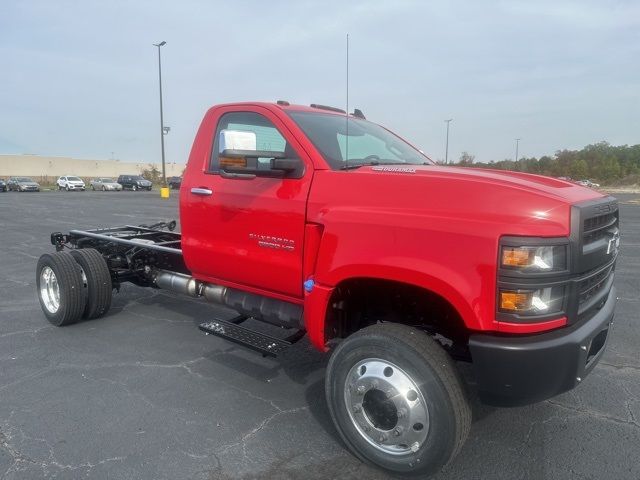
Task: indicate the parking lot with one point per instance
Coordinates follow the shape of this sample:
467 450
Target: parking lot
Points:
143 394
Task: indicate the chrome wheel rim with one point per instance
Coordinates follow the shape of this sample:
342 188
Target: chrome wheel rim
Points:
386 406
49 290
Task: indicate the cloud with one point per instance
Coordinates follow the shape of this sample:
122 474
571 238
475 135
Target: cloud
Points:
80 78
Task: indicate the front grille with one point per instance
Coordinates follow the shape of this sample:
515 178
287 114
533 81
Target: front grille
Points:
592 286
599 227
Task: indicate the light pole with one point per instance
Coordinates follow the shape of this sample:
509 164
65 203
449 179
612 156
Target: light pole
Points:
162 129
446 151
517 144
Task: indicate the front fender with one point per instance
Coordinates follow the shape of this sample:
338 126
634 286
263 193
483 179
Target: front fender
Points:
455 288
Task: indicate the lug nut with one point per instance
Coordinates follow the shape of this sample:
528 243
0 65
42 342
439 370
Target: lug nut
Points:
402 413
398 431
357 409
382 438
361 390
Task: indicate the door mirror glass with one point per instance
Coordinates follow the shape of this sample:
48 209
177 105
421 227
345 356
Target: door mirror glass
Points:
237 140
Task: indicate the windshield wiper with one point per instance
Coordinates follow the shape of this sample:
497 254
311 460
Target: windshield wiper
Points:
352 166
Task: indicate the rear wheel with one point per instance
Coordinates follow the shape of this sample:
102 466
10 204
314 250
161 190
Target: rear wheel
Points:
96 281
104 189
60 288
397 400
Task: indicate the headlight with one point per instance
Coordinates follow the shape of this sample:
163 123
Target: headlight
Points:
542 301
533 258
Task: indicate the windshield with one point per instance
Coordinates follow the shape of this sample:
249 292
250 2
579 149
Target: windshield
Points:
74 179
24 179
137 178
369 144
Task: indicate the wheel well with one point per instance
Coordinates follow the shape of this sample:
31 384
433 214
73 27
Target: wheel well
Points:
360 302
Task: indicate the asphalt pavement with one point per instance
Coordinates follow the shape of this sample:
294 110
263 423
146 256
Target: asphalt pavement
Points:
143 394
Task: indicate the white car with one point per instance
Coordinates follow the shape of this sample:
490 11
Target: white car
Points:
588 183
70 182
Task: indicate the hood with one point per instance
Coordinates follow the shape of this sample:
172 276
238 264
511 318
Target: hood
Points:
564 191
143 181
484 200
28 184
76 182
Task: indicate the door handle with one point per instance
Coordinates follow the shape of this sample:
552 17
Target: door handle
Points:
205 192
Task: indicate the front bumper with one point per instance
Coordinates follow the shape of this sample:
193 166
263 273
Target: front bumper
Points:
513 371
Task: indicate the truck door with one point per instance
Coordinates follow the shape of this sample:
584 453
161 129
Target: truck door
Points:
246 229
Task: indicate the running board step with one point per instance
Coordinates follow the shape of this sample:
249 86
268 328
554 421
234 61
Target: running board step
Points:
267 345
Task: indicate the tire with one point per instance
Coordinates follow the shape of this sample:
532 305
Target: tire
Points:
98 287
104 189
67 188
60 288
415 433
134 188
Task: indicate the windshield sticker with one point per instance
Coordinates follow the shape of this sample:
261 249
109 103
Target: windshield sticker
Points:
395 169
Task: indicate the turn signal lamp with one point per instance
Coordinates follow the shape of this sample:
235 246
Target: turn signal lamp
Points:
515 302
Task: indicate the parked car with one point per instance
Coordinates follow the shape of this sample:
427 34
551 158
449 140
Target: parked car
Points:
70 182
3 185
22 184
134 182
588 183
104 184
174 182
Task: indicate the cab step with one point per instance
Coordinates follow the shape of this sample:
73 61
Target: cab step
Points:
266 344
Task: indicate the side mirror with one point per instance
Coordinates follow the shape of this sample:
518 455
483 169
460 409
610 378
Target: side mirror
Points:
286 164
233 153
279 161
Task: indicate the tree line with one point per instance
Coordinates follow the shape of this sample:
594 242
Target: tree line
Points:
601 161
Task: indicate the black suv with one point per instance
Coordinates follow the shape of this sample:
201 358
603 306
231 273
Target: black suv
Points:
174 182
134 182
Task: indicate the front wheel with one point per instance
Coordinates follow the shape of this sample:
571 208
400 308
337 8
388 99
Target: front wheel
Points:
67 188
104 189
134 188
397 400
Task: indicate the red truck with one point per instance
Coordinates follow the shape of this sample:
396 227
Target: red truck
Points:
331 226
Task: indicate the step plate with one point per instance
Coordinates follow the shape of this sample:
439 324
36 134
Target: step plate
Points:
260 342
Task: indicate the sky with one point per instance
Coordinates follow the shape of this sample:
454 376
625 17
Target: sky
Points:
80 78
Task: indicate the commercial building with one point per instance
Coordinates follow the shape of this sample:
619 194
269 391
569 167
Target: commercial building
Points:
47 169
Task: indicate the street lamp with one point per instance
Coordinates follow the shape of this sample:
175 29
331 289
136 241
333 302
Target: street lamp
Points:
517 144
446 152
162 128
